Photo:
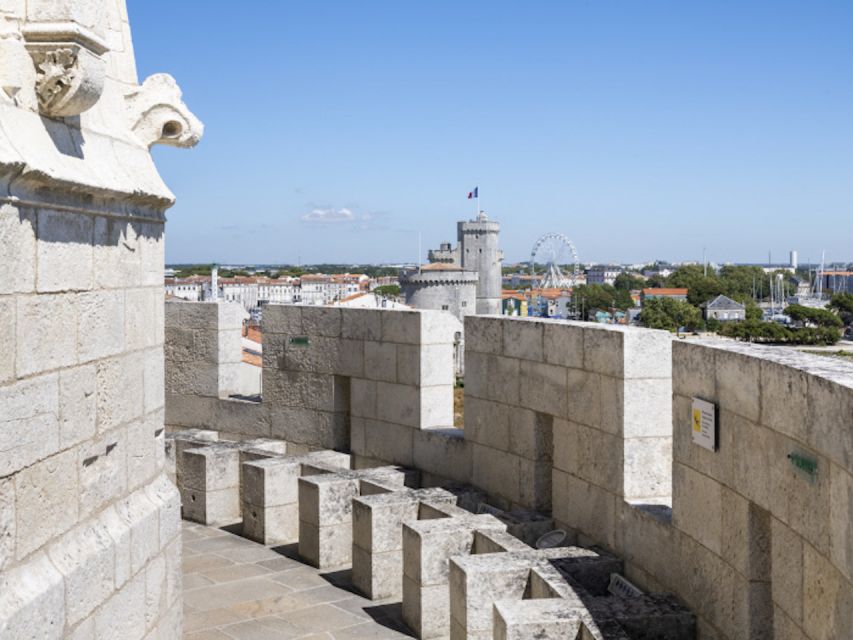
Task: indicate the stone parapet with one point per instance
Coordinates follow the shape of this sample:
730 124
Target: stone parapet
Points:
592 427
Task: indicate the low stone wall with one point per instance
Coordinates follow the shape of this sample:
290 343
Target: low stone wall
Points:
350 379
590 402
594 425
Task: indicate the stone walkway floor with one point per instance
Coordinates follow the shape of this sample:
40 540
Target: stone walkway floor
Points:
235 589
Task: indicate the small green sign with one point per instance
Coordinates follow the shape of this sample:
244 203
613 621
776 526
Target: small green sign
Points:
299 341
804 464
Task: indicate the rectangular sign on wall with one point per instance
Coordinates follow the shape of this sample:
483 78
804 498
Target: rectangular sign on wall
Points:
704 424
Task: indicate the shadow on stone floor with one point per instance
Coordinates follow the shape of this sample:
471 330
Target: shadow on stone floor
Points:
235 589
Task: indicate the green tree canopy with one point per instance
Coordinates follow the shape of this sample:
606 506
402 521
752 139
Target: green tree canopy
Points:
812 316
843 304
773 333
627 282
670 314
388 290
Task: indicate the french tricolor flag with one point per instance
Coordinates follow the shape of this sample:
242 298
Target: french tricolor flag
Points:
474 194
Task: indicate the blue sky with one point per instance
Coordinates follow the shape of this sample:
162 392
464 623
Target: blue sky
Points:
336 131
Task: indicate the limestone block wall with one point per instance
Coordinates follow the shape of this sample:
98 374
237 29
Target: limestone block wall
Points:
361 379
89 523
594 424
752 522
590 402
203 348
378 383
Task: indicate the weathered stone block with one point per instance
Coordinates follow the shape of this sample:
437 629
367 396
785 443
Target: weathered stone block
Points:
86 559
443 452
697 507
377 537
211 468
585 507
7 337
647 408
18 258
787 570
103 468
830 425
113 379
45 501
124 613
565 437
436 407
388 442
542 387
584 399
40 316
739 384
144 320
101 318
271 525
563 344
427 547
484 335
77 405
380 361
599 459
116 254
647 470
497 472
282 319
153 380
363 398
487 422
438 327
8 530
693 371
492 378
604 350
32 600
523 339
210 485
784 405
361 324
321 321
29 428
841 521
534 484
827 598
65 251
647 354
398 404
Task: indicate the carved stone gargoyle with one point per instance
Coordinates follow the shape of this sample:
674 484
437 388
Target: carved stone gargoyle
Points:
158 115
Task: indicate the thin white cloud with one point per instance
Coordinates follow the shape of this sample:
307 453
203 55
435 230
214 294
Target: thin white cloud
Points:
330 215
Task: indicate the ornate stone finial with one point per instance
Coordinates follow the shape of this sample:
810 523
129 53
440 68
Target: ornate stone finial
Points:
159 116
70 67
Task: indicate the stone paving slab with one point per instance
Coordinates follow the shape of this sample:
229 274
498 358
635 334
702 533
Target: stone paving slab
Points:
236 589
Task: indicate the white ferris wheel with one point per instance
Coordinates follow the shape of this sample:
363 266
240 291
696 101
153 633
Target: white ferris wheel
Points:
554 262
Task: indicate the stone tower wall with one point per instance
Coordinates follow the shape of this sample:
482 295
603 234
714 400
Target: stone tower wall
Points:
478 248
89 524
433 290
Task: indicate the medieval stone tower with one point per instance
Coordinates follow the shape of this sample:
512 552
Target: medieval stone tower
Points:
477 250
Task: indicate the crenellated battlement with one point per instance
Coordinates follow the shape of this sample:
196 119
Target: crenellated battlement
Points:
591 426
